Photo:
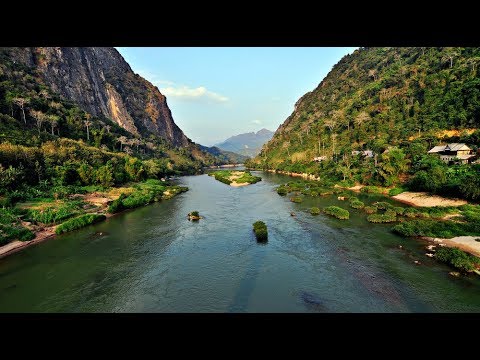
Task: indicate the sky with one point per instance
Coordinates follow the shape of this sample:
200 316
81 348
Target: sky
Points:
218 92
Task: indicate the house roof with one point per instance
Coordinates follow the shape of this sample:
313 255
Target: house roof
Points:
437 149
449 147
456 147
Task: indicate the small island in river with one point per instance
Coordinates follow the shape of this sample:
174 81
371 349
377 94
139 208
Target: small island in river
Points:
235 178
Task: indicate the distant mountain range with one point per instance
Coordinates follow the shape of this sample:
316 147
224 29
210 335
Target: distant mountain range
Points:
248 144
225 157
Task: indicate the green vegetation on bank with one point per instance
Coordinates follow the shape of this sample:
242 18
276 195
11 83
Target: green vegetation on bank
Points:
397 103
239 177
315 211
337 212
457 258
434 228
79 222
260 230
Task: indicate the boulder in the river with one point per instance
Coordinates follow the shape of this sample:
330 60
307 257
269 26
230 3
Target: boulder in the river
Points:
454 273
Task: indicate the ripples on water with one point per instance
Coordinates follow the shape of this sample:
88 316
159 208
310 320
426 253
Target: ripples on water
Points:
154 260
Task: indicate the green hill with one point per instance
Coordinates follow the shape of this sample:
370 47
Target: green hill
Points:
397 102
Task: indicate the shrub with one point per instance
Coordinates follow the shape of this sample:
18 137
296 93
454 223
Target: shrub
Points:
388 217
457 258
395 191
12 232
398 210
434 228
296 199
79 222
194 213
315 211
282 191
260 230
370 209
411 212
382 205
357 204
117 204
337 212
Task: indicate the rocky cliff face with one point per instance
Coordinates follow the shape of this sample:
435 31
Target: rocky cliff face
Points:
101 82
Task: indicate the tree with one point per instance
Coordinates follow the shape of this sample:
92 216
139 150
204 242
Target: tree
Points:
108 128
361 118
39 117
373 73
122 140
332 125
449 55
87 124
21 102
53 120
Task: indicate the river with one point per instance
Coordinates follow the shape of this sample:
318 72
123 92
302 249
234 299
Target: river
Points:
154 260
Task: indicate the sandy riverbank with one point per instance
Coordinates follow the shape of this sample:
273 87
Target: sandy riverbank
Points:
465 243
15 246
235 184
426 200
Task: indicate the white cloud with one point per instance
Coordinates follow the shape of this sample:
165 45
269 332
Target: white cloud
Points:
258 122
187 92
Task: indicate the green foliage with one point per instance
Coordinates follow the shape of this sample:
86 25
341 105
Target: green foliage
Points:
387 217
395 191
337 212
260 230
395 102
194 213
79 222
296 199
357 204
117 204
382 205
434 228
11 228
282 190
370 209
225 175
457 258
54 214
315 211
371 190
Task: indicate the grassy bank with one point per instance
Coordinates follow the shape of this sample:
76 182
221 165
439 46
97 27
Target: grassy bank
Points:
25 214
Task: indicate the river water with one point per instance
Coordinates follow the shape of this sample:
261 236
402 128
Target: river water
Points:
154 260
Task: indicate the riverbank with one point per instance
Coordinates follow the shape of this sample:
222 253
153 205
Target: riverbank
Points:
468 244
97 202
235 178
423 199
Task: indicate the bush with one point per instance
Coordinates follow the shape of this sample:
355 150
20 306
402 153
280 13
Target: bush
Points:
282 191
79 222
388 217
14 232
260 230
434 228
457 258
382 205
337 212
194 213
370 209
395 191
296 199
315 211
357 204
117 204
411 212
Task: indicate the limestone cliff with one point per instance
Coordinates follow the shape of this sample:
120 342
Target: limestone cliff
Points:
101 82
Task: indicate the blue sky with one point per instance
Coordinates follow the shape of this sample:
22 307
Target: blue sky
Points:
218 92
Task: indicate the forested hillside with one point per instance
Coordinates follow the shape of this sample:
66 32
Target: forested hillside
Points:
397 102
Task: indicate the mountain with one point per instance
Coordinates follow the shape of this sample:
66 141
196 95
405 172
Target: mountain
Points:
102 83
397 102
223 156
248 144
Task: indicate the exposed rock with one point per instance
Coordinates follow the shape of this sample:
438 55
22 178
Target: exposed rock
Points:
102 83
454 273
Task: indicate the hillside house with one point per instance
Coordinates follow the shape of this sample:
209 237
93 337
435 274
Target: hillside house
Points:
454 153
364 153
320 158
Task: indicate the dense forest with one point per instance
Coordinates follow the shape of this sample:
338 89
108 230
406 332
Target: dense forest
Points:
396 102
